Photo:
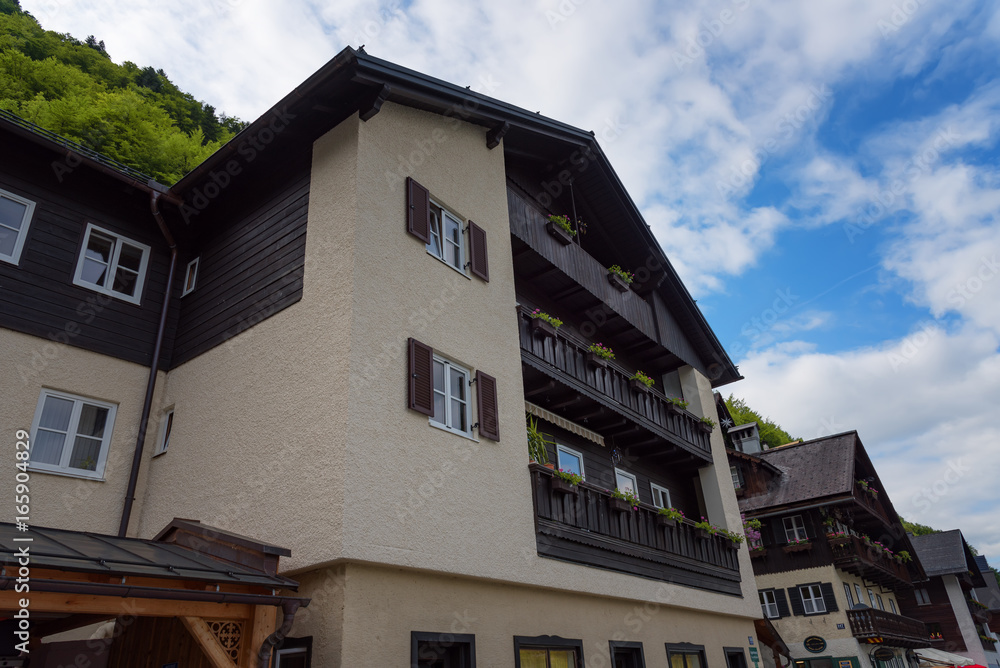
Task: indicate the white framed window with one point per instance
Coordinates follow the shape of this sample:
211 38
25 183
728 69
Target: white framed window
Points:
112 264
857 590
15 218
795 529
812 599
661 496
451 397
71 434
297 657
190 277
735 474
569 460
847 593
871 598
922 597
768 603
447 242
166 426
881 604
625 480
892 607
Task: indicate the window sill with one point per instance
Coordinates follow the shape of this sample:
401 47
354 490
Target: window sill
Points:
463 434
450 266
104 291
96 477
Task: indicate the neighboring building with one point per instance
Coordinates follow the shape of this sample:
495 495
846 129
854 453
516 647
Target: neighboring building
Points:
986 609
946 602
824 578
343 362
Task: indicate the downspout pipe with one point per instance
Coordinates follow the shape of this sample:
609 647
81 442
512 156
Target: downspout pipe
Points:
289 607
154 367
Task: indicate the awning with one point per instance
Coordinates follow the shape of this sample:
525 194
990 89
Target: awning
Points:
549 416
935 657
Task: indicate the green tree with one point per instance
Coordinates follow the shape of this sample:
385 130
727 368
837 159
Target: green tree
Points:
916 529
771 434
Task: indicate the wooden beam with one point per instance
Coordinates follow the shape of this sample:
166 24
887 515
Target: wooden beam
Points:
209 644
566 403
256 631
548 387
115 606
494 136
370 107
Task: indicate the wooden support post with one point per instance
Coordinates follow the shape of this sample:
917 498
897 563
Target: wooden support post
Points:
261 624
214 651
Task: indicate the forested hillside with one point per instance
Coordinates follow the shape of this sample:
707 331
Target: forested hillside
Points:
133 114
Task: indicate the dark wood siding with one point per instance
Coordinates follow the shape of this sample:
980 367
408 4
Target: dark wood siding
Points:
251 267
938 612
599 470
158 641
38 295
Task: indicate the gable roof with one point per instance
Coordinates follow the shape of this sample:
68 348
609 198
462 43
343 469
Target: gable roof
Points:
946 552
810 470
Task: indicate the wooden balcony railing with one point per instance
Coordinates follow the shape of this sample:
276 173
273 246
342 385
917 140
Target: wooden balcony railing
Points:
870 624
528 224
584 527
852 554
871 503
564 357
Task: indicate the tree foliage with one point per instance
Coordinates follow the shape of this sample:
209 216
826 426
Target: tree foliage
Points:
916 529
133 114
771 434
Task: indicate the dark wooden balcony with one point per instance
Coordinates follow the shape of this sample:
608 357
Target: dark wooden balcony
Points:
878 626
871 504
645 322
853 555
558 377
583 527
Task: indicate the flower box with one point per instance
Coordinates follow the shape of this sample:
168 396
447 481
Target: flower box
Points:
561 235
797 547
730 544
703 534
539 326
664 521
674 409
639 386
836 541
563 486
705 427
617 282
758 552
596 360
620 505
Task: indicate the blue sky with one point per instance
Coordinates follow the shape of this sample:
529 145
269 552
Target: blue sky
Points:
823 175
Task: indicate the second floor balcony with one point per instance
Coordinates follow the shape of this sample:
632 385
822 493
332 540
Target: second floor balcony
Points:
558 377
878 626
852 554
585 525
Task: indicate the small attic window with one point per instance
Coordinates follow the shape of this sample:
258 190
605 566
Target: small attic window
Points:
190 277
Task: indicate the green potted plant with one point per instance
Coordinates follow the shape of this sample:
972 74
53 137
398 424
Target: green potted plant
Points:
669 517
537 443
565 482
798 545
640 382
561 228
904 557
706 424
735 539
619 278
624 500
676 406
706 529
543 323
598 355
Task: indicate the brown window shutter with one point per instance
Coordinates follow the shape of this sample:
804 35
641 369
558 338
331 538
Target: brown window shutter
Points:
418 210
478 257
489 414
421 393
